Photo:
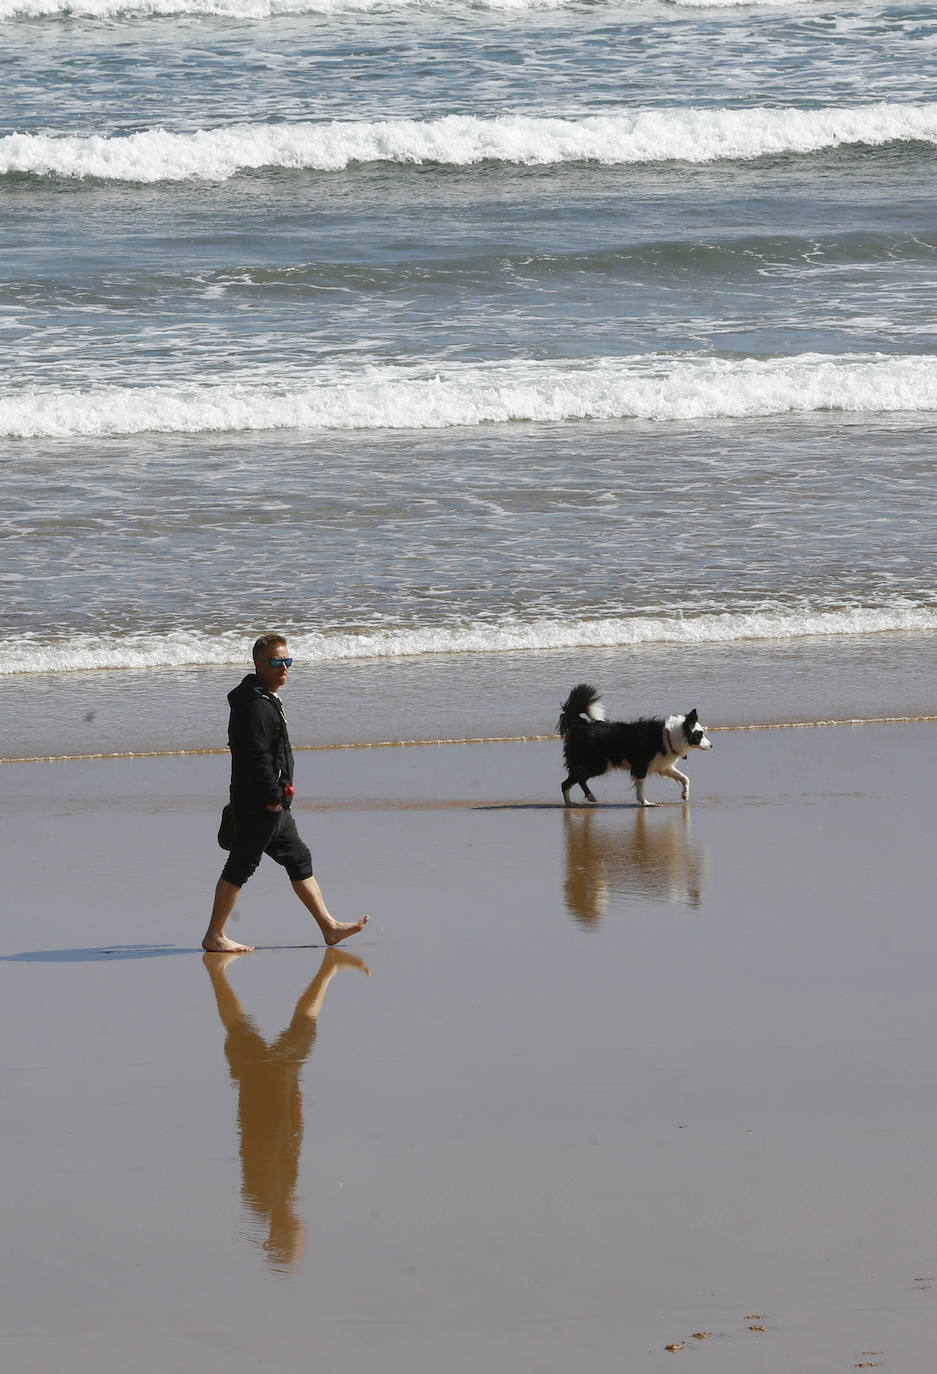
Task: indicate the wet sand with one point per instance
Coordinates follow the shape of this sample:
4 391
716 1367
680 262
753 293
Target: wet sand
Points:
589 1083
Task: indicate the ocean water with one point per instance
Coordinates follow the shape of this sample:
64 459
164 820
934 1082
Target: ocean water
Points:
480 347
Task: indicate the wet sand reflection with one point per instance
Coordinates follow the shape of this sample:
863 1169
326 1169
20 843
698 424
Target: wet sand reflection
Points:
270 1116
643 856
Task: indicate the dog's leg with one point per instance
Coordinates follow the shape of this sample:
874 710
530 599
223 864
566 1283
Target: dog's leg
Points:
639 793
568 785
677 776
570 782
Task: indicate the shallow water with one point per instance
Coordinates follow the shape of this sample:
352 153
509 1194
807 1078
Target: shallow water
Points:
474 696
420 328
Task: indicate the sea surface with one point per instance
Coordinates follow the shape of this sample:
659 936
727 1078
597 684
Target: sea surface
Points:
479 347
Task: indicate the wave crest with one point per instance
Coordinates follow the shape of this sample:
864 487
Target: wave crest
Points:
642 136
641 388
175 650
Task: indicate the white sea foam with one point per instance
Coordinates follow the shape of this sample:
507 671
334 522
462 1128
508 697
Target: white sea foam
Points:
177 650
243 9
652 387
627 137
738 4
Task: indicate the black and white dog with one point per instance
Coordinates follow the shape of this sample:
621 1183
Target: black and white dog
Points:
592 744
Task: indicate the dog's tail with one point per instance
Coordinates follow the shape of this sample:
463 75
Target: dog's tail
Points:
583 701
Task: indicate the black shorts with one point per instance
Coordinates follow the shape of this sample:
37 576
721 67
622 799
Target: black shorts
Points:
257 833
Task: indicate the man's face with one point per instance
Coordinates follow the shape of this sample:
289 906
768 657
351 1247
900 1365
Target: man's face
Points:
272 678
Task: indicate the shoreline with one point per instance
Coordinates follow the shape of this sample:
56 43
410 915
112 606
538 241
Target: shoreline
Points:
485 697
753 727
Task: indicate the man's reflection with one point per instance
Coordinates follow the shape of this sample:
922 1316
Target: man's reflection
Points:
270 1116
647 856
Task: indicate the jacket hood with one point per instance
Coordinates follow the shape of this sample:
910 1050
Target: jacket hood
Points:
250 686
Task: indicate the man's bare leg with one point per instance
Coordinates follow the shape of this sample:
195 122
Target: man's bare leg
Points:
310 894
215 941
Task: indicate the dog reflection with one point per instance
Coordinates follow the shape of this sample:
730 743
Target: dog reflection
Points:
270 1116
647 856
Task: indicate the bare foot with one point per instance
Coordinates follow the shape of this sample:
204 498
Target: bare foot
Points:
341 930
220 944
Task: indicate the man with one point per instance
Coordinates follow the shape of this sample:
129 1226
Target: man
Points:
261 793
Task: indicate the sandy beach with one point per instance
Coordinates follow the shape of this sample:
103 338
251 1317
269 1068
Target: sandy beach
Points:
591 1084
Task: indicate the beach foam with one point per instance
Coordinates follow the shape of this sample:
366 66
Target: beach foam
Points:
245 9
648 388
642 136
83 651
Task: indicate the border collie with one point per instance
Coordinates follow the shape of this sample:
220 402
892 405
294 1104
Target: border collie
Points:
592 744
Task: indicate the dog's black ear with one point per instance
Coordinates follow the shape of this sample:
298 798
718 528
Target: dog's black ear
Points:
692 717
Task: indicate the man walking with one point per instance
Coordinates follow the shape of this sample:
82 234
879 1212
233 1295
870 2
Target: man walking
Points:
261 793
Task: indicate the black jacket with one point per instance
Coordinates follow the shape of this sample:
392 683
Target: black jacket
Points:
261 757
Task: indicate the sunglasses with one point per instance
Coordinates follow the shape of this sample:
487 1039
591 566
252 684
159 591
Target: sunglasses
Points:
280 662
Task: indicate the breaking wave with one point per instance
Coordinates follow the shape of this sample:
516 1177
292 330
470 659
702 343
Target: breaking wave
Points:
652 387
629 137
183 649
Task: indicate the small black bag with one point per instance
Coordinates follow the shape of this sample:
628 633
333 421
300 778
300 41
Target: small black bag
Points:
226 828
